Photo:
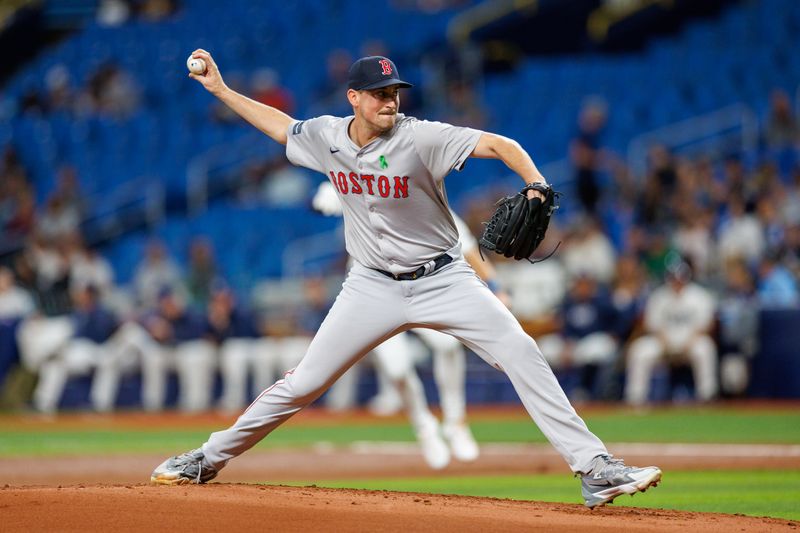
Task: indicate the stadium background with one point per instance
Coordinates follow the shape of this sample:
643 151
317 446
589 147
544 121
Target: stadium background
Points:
97 113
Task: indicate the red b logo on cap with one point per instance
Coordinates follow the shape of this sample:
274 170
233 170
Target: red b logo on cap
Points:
387 67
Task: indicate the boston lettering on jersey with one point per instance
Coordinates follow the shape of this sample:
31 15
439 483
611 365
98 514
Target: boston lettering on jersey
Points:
383 186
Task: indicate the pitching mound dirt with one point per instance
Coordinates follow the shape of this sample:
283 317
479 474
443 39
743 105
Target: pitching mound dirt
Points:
228 507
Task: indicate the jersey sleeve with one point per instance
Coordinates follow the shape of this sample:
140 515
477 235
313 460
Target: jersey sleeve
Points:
444 147
305 142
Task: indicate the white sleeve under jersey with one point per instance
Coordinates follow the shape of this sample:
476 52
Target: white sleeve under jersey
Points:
468 242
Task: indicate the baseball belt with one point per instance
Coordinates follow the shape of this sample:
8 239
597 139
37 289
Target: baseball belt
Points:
424 270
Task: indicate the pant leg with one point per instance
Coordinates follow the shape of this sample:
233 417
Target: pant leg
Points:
292 350
643 355
157 361
702 354
195 362
553 346
393 359
449 372
52 378
76 358
596 348
343 394
456 302
120 354
40 338
234 364
369 309
266 362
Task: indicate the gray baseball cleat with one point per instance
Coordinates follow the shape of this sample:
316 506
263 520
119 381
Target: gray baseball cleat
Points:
609 478
183 469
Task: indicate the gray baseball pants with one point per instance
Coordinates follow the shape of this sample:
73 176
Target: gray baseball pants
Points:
373 307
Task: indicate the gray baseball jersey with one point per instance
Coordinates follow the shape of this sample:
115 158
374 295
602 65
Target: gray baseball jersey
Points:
392 191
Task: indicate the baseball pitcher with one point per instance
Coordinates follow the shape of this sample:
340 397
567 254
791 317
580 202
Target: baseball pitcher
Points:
409 272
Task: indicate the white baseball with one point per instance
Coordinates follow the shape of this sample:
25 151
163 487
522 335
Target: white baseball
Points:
196 65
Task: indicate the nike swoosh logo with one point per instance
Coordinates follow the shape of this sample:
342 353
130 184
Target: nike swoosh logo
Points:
334 150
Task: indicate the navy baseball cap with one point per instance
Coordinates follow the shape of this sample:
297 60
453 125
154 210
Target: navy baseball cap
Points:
374 72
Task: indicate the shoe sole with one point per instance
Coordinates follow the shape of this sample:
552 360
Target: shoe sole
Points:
169 481
607 496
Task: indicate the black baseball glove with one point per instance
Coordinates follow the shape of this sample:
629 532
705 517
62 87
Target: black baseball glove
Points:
518 224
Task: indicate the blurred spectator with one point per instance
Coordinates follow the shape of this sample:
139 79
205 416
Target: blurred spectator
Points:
44 270
462 107
777 287
628 296
774 229
654 206
693 239
113 13
790 200
112 91
122 354
90 269
535 299
678 320
585 339
233 331
17 204
266 88
92 325
156 10
156 272
307 319
40 338
792 245
694 185
221 113
236 330
655 251
328 95
585 153
428 6
22 220
178 332
58 220
781 129
15 305
316 305
285 185
10 165
15 302
663 168
201 272
32 102
740 233
738 328
737 183
68 190
587 250
60 95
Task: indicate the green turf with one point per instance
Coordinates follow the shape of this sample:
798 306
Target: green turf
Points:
674 425
750 492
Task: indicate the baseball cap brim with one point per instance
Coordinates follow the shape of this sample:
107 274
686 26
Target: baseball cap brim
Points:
385 83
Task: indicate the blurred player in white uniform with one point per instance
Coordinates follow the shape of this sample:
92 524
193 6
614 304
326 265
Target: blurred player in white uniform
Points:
678 318
394 361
